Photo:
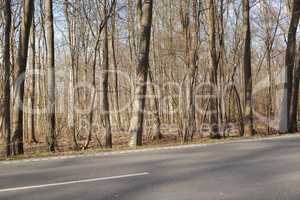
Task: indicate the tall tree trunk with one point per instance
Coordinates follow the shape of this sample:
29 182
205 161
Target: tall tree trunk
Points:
50 136
295 100
116 72
248 110
290 65
6 59
104 87
214 70
144 9
186 87
194 58
33 86
222 73
17 124
190 29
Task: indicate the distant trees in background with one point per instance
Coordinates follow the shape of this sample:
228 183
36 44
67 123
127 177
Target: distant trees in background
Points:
80 74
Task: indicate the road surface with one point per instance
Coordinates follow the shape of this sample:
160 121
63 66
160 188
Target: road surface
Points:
268 169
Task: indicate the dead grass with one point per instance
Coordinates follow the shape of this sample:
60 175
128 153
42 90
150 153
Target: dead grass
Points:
120 143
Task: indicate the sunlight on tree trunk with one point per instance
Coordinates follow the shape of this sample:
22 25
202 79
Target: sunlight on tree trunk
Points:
137 119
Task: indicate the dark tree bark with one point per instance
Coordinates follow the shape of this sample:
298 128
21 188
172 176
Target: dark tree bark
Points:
6 59
295 100
214 71
17 126
222 71
104 87
291 81
50 136
248 112
144 11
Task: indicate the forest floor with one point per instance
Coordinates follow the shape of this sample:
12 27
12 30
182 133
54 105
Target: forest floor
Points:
120 144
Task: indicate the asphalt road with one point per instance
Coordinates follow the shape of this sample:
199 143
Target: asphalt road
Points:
244 170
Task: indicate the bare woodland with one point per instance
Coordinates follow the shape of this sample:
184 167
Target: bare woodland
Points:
80 74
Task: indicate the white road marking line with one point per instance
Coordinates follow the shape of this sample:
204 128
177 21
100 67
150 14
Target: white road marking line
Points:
73 182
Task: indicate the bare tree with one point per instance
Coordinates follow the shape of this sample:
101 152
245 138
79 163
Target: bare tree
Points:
116 70
294 92
33 82
214 70
50 136
295 98
71 92
6 64
248 112
178 40
190 32
17 126
270 35
286 118
104 86
144 11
